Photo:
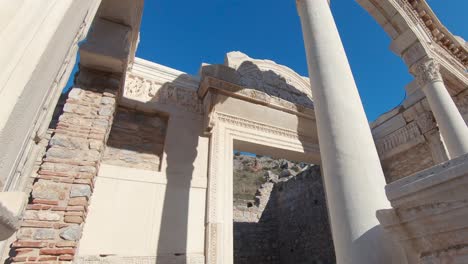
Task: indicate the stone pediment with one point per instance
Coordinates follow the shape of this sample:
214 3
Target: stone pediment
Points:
265 76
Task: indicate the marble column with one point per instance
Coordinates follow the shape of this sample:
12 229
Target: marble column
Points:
353 177
451 124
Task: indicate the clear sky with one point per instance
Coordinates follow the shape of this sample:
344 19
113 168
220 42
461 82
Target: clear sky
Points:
184 33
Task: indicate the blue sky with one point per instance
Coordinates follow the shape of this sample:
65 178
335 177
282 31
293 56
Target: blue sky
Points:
182 34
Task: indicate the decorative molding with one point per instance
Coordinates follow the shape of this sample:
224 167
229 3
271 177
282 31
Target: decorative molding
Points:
427 71
298 105
245 123
405 135
421 14
223 130
146 90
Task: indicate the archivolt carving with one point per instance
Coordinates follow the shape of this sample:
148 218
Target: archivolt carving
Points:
145 90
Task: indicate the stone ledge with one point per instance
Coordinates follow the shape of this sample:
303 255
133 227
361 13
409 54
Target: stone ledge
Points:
11 208
438 177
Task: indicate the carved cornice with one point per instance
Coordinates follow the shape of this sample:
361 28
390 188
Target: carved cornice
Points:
297 105
426 71
421 14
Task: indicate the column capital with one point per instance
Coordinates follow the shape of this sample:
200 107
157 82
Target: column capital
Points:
426 71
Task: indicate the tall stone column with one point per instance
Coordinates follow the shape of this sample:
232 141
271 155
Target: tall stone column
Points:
451 124
353 177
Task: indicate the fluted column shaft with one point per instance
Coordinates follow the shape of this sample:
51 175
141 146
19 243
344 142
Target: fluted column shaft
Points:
451 124
353 177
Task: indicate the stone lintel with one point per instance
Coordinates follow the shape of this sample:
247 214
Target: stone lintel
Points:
211 84
107 47
429 213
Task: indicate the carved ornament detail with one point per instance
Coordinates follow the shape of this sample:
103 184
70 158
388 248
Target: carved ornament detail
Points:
427 71
145 90
400 137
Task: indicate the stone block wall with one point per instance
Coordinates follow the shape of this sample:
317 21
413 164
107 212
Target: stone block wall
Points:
408 138
53 220
304 233
408 141
287 224
136 140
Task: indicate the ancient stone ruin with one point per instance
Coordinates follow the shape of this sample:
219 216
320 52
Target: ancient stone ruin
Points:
134 164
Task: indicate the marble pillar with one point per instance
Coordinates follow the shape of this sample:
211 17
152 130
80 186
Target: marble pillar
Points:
451 124
353 177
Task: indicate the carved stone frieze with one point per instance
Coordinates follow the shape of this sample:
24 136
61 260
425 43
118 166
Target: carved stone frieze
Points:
146 90
297 105
245 123
402 136
426 71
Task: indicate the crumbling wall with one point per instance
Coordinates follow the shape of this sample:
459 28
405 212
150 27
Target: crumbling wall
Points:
304 234
286 223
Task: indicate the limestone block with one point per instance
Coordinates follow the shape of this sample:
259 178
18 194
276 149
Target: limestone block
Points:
72 232
11 208
107 47
403 42
80 190
430 211
49 190
389 126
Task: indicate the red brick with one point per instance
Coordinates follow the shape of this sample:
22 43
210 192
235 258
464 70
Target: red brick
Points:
75 208
19 259
38 207
75 213
58 208
56 173
47 202
23 251
29 244
47 258
73 219
40 224
66 257
66 244
78 201
57 251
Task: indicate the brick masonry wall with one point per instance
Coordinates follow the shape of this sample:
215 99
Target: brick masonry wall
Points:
53 220
287 223
136 140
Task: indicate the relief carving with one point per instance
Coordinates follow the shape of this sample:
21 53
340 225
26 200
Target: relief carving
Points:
142 89
400 137
427 71
270 78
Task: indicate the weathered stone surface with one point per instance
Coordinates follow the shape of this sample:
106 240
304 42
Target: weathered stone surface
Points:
69 142
49 190
72 232
136 140
44 234
106 111
80 190
42 215
287 222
